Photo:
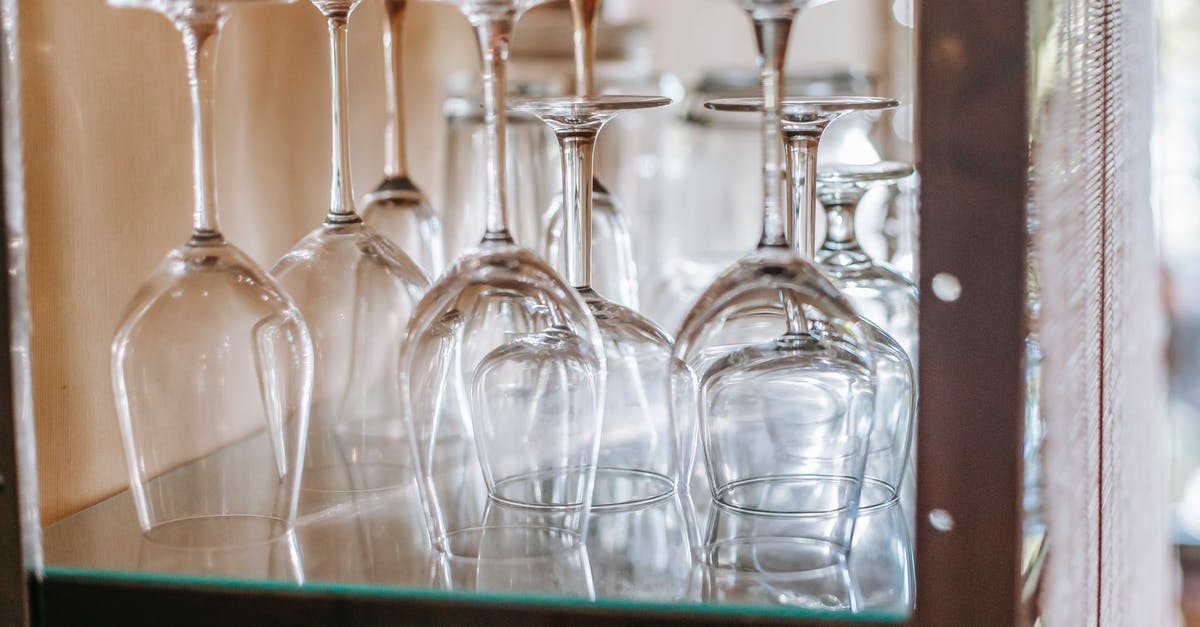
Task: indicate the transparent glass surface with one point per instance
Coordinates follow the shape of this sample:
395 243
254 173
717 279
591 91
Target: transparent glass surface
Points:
356 290
209 352
635 558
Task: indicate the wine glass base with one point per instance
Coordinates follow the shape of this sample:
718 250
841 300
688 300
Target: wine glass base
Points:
540 489
218 531
789 495
626 488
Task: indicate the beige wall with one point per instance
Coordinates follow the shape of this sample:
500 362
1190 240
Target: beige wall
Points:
108 162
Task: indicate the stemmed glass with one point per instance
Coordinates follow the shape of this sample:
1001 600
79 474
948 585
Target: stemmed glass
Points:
503 358
616 272
637 464
211 360
784 422
356 290
397 209
879 292
804 121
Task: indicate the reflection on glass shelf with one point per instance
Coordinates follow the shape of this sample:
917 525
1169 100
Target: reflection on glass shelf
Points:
633 557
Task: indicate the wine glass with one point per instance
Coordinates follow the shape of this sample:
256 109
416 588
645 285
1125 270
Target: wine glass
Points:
804 122
879 292
636 470
356 291
616 272
504 358
212 361
783 422
397 209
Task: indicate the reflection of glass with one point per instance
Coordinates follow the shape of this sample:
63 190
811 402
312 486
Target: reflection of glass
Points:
397 209
211 351
356 291
641 551
502 355
783 421
753 558
878 292
637 461
278 559
374 537
515 550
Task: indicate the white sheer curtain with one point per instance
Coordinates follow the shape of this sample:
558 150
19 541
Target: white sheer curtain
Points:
1102 329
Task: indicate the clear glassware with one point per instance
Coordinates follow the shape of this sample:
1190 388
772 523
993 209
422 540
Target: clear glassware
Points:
397 209
356 290
706 178
615 274
879 292
515 551
502 358
210 352
766 560
881 556
783 422
637 462
638 536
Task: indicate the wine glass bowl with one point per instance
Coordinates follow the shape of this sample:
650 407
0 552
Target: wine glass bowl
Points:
502 352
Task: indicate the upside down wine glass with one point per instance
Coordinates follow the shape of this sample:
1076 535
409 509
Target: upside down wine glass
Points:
637 464
804 121
397 209
211 352
783 423
615 273
504 360
356 291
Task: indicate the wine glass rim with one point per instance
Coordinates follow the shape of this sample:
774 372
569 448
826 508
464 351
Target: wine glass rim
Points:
864 172
806 104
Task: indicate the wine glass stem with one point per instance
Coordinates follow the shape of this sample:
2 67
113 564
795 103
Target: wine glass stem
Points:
802 172
395 164
771 35
583 15
578 149
341 195
493 32
201 29
839 219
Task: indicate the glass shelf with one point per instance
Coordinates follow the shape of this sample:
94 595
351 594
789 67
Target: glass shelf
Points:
375 544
